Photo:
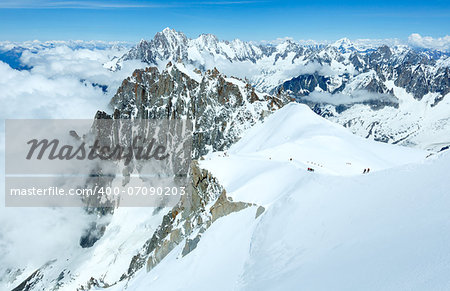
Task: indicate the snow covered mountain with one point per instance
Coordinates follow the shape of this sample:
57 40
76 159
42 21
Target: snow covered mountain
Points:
268 66
331 229
280 200
387 80
222 107
259 220
319 231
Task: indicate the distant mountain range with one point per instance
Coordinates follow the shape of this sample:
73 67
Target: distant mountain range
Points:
384 90
331 67
388 93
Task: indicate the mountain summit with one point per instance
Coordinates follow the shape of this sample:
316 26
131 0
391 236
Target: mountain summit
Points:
344 81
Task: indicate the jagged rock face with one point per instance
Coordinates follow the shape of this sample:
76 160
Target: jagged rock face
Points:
329 67
363 85
422 79
412 83
305 84
166 44
171 45
187 221
220 107
417 72
183 225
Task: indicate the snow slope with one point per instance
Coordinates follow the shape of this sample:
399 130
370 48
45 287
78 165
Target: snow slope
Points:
297 133
57 253
333 229
415 123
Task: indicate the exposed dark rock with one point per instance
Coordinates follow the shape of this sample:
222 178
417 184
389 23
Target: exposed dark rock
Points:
220 109
29 282
444 148
92 234
191 216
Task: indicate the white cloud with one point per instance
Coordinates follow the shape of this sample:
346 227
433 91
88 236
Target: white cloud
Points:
51 89
358 96
59 85
441 43
34 95
29 237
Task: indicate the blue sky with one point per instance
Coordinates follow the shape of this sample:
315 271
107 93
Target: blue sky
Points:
249 20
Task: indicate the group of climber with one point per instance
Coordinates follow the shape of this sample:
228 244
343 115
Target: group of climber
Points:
366 171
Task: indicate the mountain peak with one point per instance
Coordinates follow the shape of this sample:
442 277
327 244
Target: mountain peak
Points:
208 39
343 43
169 39
170 33
169 30
208 36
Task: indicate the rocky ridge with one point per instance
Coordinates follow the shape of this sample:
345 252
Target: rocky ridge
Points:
221 107
343 81
304 68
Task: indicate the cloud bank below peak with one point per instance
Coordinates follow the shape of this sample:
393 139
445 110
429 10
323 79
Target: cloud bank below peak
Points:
428 42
